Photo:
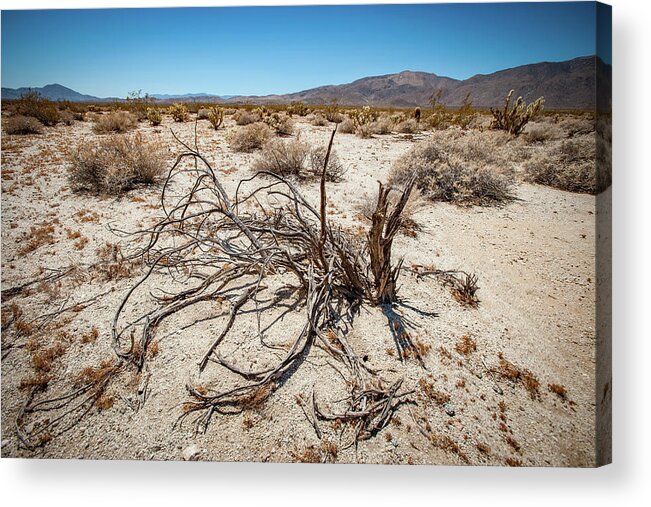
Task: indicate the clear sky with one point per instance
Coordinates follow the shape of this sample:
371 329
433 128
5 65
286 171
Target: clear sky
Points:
262 50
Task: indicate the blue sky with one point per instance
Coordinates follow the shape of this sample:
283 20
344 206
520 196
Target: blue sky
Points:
261 50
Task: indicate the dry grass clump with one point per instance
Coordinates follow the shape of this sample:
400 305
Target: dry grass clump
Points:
466 345
203 113
296 158
22 125
115 164
42 359
250 137
515 374
567 165
558 390
243 117
36 382
115 122
325 453
38 236
439 397
112 264
442 178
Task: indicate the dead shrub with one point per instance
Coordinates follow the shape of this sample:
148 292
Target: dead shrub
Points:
250 137
440 178
115 122
22 125
515 374
115 164
203 113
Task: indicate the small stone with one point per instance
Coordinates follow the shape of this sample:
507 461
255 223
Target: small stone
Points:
191 453
449 409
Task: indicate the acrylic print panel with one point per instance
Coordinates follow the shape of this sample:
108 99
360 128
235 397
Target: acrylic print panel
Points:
355 241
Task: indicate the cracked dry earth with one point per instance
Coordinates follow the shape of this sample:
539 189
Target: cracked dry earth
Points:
482 396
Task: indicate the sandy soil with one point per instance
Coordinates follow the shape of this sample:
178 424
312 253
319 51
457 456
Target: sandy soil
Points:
534 257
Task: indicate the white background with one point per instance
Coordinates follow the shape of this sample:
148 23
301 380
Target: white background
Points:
53 483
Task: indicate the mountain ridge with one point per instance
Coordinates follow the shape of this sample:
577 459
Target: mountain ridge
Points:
571 84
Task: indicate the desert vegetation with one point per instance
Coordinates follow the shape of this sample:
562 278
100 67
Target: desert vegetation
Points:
368 288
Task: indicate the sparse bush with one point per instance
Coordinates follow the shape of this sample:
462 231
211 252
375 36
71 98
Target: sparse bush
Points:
332 113
409 126
32 104
22 125
382 126
138 104
179 112
154 116
295 158
567 165
115 164
298 108
465 115
364 131
115 122
346 127
363 118
243 117
319 120
66 117
203 113
438 119
250 137
334 171
215 117
286 158
514 119
542 132
440 178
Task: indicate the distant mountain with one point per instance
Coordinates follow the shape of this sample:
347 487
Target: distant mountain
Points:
565 85
52 92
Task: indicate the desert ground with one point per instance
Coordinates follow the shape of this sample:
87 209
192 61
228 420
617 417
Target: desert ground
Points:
507 380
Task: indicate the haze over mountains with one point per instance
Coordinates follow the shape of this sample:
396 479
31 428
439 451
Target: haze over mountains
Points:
565 85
